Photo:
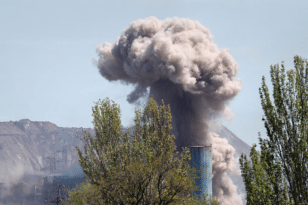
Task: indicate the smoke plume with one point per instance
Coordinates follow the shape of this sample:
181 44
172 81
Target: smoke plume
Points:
178 60
224 163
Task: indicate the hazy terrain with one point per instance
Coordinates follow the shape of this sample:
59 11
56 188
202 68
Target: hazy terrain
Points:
33 152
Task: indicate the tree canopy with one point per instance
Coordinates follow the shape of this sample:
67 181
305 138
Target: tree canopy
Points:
279 173
138 167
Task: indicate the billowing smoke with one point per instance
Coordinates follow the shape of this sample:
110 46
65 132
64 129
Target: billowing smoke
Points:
178 60
223 164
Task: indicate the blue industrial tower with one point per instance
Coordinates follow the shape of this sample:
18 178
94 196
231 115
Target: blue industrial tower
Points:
201 159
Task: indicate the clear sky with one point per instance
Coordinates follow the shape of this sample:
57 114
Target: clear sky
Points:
47 49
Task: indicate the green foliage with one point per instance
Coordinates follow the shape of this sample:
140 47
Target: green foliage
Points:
139 167
279 173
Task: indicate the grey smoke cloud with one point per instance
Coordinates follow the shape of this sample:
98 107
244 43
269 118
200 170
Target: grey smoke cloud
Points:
224 163
175 59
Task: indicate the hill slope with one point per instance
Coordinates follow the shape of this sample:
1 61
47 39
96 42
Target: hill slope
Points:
33 147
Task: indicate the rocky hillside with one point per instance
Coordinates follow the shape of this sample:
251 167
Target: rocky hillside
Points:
43 148
30 147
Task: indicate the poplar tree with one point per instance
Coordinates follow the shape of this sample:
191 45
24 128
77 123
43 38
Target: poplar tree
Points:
139 167
279 173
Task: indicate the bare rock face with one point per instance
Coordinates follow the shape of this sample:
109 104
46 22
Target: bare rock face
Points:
30 147
32 152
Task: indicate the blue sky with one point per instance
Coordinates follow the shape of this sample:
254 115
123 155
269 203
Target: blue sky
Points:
47 48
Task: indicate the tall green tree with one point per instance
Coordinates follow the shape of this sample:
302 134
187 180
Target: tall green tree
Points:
279 173
139 167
